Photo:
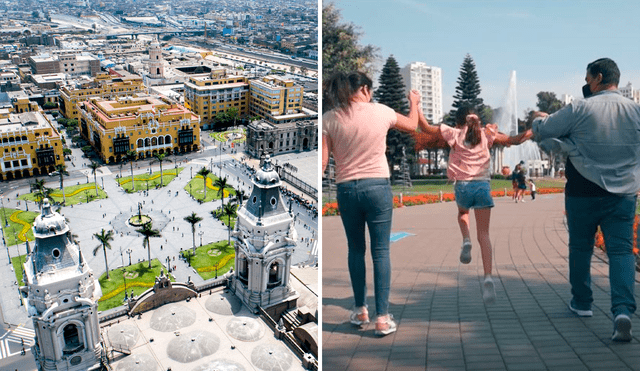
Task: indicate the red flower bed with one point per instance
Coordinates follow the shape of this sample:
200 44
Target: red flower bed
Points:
330 209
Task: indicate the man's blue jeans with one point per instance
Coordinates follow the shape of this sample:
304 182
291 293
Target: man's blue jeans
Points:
370 202
615 216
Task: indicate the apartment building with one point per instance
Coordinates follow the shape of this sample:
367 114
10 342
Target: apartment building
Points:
428 81
148 125
276 99
71 64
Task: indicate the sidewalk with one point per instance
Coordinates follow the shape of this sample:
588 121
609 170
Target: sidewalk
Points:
443 323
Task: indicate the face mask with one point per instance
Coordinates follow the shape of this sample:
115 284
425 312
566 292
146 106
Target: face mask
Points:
586 91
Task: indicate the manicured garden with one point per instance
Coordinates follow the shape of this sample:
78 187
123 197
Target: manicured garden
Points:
211 259
139 278
20 222
73 195
195 188
236 136
142 182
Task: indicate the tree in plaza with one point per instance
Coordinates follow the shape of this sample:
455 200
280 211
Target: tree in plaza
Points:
105 237
239 195
40 191
131 156
147 232
341 50
391 93
204 172
229 210
62 171
221 184
232 115
94 167
160 158
468 90
193 219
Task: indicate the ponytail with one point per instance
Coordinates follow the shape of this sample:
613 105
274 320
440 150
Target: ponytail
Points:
474 130
340 87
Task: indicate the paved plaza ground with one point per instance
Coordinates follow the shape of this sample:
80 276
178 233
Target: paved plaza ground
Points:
443 323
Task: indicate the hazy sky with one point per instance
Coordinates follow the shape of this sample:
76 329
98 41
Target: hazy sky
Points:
547 43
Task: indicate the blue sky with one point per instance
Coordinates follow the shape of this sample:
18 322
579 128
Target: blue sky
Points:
547 43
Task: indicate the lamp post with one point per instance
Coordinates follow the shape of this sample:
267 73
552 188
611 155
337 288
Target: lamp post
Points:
87 194
200 234
128 251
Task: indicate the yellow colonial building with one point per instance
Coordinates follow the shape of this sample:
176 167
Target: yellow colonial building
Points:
148 125
103 85
216 93
30 145
276 99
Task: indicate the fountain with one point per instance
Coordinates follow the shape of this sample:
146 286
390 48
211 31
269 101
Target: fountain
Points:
508 123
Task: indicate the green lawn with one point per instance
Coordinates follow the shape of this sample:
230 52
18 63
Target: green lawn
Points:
17 262
75 194
19 228
208 257
113 288
142 180
195 187
223 135
225 219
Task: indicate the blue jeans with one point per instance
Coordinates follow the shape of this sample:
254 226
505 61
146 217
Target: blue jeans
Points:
474 194
368 201
615 216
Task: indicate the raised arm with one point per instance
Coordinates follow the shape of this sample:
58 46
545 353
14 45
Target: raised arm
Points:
505 140
409 123
326 151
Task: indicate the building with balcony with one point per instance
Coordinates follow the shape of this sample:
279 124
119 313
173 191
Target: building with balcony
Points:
148 125
30 145
276 99
215 93
103 85
265 138
428 81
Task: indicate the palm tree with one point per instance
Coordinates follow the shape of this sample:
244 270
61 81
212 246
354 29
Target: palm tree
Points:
221 184
160 157
193 219
62 171
94 166
131 156
147 231
239 195
229 210
104 237
204 172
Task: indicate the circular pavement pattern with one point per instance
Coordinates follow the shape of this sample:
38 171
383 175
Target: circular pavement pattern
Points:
172 317
271 358
123 335
245 329
138 362
220 365
225 304
193 346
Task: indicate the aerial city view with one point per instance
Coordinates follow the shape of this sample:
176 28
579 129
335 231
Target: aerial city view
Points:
159 185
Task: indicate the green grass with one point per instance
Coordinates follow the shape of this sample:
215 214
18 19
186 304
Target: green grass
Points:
140 180
19 227
115 283
225 219
73 194
222 135
17 262
195 188
205 264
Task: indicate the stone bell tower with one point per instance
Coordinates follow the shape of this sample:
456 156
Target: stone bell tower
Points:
265 239
61 298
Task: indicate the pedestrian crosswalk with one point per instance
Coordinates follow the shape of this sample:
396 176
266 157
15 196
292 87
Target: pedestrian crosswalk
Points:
12 342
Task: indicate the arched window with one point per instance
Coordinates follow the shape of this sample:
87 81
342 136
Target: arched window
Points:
275 275
154 141
140 143
161 140
147 142
167 139
243 269
73 341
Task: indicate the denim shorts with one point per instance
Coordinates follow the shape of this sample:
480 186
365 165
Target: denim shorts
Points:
475 194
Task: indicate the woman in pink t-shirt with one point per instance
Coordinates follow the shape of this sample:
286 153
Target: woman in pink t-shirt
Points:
468 167
355 132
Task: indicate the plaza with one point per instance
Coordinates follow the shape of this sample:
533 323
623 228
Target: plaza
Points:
167 207
443 323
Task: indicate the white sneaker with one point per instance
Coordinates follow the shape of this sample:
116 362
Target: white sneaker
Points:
581 312
488 291
385 325
622 328
465 253
359 316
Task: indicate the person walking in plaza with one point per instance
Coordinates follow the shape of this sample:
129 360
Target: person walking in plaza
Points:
532 185
601 137
468 167
354 131
521 180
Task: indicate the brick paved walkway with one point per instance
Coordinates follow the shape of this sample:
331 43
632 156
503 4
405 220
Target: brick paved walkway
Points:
443 323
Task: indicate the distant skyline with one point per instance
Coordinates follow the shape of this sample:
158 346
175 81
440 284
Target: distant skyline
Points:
548 43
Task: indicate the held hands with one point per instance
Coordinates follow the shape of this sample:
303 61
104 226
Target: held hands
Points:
414 97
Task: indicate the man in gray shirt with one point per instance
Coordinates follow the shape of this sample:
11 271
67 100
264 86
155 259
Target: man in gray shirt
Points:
601 137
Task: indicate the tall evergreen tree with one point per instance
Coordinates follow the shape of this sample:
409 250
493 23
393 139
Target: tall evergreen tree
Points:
468 90
391 93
